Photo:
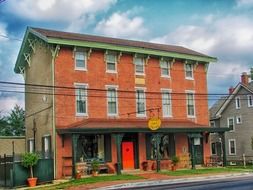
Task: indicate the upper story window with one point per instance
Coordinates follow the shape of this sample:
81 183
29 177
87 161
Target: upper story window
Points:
112 102
80 60
231 123
188 71
165 68
212 123
238 119
140 103
232 146
111 63
166 103
250 100
139 66
81 99
190 104
237 102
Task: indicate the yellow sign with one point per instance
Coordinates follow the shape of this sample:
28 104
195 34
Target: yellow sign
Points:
154 123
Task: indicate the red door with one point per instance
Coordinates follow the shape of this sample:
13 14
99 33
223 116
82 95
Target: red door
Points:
128 155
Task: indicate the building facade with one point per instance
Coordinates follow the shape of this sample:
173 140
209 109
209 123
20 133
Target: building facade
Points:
235 112
91 97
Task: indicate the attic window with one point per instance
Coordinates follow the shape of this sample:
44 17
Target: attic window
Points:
237 102
250 101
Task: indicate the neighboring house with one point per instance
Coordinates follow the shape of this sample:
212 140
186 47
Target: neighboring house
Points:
234 111
90 97
12 144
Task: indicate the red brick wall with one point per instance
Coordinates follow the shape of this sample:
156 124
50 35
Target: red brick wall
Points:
96 77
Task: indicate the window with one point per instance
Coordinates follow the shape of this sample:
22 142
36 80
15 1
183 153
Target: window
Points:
166 148
139 65
212 123
81 99
231 123
237 102
213 149
80 60
238 119
232 146
166 103
112 103
165 68
94 147
30 145
190 104
188 71
46 146
111 63
250 100
140 103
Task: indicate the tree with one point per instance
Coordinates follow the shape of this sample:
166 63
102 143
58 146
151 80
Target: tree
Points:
14 123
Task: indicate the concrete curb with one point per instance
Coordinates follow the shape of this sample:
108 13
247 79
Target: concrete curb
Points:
174 181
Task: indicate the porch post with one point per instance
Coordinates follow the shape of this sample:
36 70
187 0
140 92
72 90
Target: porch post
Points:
118 139
222 135
158 141
74 148
191 141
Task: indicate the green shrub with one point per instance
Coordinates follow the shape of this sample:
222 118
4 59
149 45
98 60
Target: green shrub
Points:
28 160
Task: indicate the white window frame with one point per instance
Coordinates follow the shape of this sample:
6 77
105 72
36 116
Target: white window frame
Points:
213 124
47 137
84 53
229 146
250 100
237 102
215 148
231 118
31 145
107 61
165 91
167 68
237 119
84 86
144 101
185 67
115 87
190 92
143 65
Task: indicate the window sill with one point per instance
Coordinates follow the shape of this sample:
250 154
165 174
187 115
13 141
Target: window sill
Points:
139 74
111 72
81 115
188 78
80 69
166 76
191 116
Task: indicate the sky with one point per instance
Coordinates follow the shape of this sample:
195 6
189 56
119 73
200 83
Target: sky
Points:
219 28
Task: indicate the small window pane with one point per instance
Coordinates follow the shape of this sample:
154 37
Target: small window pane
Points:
188 71
165 68
80 60
81 99
112 101
140 101
111 62
139 65
190 105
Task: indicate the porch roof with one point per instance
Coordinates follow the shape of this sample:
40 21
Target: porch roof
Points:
133 126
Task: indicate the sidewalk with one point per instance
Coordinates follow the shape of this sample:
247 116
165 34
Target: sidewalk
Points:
155 178
176 180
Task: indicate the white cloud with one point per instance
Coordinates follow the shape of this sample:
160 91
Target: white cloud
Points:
8 103
3 32
244 3
61 11
122 25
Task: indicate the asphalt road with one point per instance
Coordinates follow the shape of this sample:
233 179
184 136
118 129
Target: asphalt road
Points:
237 183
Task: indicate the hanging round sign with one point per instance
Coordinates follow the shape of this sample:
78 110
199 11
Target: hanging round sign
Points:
154 123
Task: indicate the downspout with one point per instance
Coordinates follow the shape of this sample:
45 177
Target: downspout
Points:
54 54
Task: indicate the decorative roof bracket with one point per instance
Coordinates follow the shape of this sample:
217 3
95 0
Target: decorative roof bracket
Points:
89 53
32 44
55 51
146 60
119 56
28 58
195 65
206 67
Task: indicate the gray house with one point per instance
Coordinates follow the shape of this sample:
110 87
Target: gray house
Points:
236 112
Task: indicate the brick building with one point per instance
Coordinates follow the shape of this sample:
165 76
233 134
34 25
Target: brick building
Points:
91 97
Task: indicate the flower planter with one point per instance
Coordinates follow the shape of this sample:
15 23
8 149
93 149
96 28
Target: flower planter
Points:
94 173
32 181
78 175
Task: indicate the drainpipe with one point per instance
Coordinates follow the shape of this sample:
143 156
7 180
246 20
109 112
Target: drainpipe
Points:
54 54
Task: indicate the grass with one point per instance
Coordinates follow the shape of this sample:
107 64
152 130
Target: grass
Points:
207 171
89 180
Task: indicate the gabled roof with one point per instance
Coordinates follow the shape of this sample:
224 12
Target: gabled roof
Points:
216 110
54 37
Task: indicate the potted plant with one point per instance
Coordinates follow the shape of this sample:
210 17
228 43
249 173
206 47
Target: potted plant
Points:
94 167
28 160
78 174
174 160
145 165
